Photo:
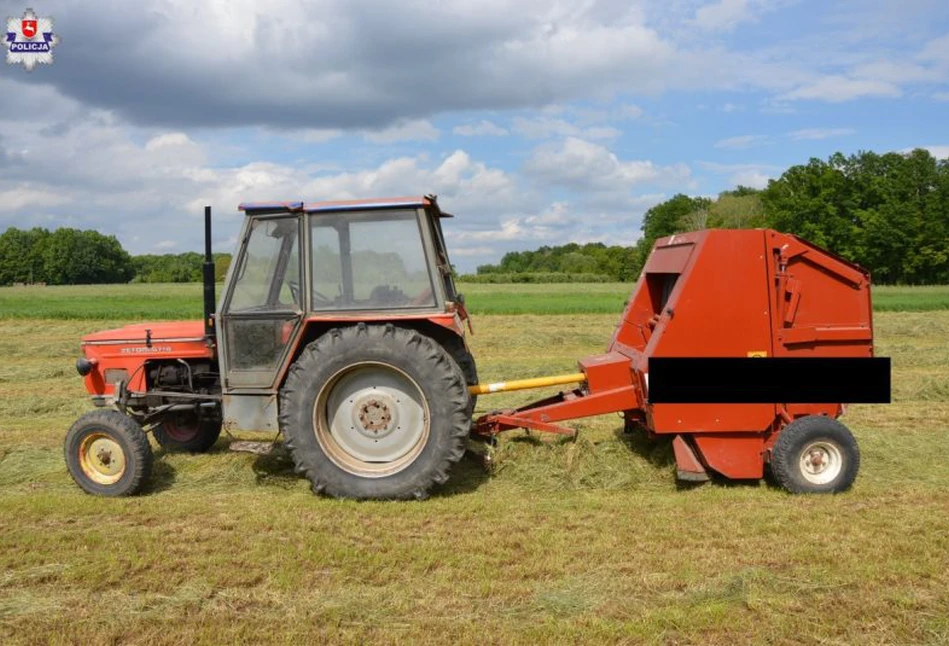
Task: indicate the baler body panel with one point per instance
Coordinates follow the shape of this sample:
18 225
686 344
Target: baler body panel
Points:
702 294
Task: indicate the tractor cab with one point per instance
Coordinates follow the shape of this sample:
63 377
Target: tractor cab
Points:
302 266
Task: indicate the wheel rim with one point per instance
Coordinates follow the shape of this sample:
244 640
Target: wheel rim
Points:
180 429
371 419
101 458
821 462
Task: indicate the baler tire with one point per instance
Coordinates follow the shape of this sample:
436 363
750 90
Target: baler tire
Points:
201 441
110 430
327 453
459 352
821 438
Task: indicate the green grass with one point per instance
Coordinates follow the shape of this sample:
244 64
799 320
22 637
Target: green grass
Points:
151 301
585 542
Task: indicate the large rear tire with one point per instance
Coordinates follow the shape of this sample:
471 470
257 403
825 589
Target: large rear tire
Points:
459 352
375 412
108 454
815 454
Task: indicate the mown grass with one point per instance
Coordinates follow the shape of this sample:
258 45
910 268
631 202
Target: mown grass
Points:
567 542
184 300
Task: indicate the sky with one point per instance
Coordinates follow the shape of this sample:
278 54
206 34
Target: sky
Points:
535 122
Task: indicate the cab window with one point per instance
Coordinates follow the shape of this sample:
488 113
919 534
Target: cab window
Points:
369 260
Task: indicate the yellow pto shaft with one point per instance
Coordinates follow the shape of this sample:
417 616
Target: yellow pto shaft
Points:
524 384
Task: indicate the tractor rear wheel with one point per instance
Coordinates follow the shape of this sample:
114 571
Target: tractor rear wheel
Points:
108 454
185 432
815 454
459 352
375 411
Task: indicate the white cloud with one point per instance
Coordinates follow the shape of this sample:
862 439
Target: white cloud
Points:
750 178
751 175
630 111
170 139
939 152
556 214
837 89
410 130
740 142
589 166
936 50
546 127
820 133
460 251
483 128
723 15
897 72
29 196
941 96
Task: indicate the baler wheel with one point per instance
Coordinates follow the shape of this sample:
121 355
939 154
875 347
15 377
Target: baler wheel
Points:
108 454
375 411
185 432
815 454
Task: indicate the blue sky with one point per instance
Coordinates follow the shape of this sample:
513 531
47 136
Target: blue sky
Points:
535 122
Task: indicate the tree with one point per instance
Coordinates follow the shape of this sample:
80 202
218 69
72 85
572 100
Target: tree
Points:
73 257
21 256
889 213
664 219
737 210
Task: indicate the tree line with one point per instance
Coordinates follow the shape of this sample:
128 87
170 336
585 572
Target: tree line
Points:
73 257
887 212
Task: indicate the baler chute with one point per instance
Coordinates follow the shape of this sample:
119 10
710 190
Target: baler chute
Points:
787 309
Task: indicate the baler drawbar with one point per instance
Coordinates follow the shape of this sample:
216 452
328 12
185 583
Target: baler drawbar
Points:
755 340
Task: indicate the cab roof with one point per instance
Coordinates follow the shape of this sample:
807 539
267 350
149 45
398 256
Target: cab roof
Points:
343 205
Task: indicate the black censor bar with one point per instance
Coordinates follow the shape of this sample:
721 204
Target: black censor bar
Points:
767 380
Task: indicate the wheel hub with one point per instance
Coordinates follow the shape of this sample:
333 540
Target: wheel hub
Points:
375 415
821 462
102 459
817 460
371 419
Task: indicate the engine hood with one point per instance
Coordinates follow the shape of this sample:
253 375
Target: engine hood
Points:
170 331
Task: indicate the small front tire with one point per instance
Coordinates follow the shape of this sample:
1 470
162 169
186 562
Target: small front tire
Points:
815 454
108 454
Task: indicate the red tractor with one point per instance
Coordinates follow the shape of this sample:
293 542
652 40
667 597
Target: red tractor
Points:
339 326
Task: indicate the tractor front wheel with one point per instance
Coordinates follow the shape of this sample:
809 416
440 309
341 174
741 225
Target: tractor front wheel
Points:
185 432
108 454
815 454
375 411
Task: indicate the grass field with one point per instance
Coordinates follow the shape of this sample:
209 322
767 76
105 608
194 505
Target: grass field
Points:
183 300
585 542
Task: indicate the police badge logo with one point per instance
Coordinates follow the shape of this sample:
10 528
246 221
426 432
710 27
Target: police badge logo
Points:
30 40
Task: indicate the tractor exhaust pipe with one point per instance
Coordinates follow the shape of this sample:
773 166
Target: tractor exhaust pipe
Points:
209 303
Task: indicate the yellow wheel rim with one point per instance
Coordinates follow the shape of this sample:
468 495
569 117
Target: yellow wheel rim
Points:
101 458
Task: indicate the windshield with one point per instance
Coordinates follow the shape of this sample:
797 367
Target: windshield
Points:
369 260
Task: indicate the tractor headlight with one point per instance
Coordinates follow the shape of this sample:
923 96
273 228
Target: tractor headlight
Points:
84 366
